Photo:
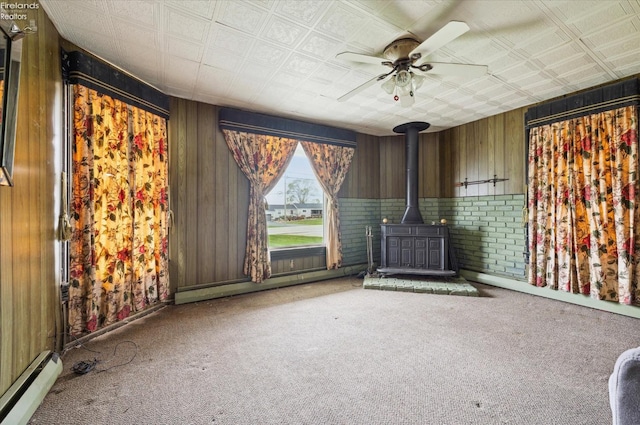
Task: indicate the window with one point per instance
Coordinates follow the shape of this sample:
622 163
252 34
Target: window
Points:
295 207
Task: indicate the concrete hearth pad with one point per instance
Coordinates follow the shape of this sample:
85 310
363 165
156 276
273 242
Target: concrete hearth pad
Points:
422 284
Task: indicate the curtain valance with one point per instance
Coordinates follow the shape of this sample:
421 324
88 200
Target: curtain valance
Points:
78 68
613 96
255 123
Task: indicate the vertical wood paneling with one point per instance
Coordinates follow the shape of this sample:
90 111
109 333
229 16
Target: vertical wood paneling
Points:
208 195
472 151
447 180
515 151
459 144
482 155
429 166
363 179
478 150
224 165
499 147
490 125
392 167
29 267
192 177
211 208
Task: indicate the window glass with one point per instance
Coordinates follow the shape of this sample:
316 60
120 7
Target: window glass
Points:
295 211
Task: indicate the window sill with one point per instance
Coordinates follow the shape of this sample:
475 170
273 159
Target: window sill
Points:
301 252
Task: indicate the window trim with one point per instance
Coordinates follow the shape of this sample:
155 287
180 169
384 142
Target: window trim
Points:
297 252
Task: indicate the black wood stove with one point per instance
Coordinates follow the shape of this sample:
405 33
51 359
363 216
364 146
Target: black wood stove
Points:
413 247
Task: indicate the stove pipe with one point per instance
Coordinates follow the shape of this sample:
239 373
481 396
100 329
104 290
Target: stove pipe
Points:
411 129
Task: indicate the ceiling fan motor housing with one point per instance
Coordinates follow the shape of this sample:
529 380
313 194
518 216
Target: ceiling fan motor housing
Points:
400 49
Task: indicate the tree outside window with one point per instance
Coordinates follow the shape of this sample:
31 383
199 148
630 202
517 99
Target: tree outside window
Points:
295 207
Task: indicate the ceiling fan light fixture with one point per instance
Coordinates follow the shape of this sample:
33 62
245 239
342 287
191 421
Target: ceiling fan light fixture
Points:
407 101
390 85
403 78
416 81
404 90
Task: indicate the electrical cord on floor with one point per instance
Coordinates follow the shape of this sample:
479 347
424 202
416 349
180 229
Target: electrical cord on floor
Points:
114 354
85 366
82 367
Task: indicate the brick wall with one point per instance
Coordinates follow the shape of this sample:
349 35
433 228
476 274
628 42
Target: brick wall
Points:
487 232
355 216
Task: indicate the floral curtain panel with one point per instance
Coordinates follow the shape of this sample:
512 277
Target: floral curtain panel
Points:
330 165
583 212
263 159
118 248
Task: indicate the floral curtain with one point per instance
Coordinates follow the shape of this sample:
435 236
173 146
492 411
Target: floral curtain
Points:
583 211
330 165
118 247
263 159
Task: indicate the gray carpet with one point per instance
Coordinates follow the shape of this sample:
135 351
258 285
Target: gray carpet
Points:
334 353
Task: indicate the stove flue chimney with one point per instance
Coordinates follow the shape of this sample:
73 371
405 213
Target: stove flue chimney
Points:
411 129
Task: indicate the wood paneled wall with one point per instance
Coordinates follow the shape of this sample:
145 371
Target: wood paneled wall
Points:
392 170
480 150
209 199
29 251
363 178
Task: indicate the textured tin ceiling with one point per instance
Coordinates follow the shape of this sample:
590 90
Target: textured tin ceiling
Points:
278 56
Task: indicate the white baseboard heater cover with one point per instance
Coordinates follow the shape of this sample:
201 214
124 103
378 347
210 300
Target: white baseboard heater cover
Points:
22 399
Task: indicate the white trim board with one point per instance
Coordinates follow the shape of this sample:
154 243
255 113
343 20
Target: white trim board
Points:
521 286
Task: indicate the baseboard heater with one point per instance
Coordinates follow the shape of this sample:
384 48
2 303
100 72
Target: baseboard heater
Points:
22 399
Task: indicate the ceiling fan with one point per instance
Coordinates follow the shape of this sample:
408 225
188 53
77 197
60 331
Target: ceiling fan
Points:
406 58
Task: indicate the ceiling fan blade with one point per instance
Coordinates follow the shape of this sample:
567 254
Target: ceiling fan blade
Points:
457 69
357 57
444 35
362 87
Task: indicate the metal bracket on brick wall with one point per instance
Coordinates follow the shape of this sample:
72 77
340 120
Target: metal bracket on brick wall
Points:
494 180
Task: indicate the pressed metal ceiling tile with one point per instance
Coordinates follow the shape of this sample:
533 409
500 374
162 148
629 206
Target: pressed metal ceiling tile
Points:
373 37
264 52
320 46
234 42
569 65
329 73
607 35
184 49
185 26
341 21
560 53
202 8
141 35
546 41
306 12
417 16
569 10
301 65
273 56
215 81
597 18
230 63
282 31
242 16
137 12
